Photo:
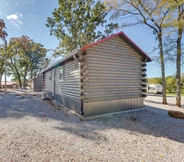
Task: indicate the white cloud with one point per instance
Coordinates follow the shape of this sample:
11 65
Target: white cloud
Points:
15 17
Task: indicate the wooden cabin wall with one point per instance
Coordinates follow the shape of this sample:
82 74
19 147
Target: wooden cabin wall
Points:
67 90
112 76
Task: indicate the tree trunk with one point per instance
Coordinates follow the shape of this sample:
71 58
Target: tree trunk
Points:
178 60
31 73
24 81
1 73
20 83
178 78
25 74
164 99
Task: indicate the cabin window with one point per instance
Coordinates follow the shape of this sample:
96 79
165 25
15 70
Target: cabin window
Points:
61 73
50 77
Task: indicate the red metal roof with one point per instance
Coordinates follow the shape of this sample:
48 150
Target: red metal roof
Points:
124 37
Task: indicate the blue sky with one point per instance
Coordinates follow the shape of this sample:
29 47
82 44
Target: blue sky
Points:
28 17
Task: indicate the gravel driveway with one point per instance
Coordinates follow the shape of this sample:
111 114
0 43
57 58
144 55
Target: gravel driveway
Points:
31 130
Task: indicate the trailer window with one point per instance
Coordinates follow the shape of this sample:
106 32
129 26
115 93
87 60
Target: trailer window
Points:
61 73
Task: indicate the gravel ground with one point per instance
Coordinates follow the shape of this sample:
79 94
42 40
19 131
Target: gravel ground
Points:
31 130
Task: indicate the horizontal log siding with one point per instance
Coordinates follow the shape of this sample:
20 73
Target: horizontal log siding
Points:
67 90
69 87
111 70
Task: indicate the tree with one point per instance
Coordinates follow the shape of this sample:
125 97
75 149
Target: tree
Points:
176 22
178 60
2 59
3 33
75 24
151 13
38 59
27 57
171 83
156 80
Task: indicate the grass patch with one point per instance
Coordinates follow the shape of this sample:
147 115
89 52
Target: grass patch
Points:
173 94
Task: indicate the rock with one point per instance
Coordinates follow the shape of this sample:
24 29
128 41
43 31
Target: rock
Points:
176 114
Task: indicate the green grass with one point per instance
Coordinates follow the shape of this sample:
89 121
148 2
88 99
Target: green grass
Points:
173 94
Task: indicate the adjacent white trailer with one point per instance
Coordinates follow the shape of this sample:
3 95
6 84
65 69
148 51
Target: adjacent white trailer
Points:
154 88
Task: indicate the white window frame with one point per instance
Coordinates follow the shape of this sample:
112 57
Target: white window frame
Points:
61 71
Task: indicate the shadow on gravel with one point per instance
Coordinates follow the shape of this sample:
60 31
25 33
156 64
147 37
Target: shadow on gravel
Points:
15 105
152 121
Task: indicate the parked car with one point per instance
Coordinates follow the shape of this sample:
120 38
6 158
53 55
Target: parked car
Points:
154 88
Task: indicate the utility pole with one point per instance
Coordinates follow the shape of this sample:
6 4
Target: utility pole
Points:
5 66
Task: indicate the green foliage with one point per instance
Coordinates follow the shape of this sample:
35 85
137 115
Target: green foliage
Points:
177 22
26 58
156 80
182 80
75 24
2 61
171 84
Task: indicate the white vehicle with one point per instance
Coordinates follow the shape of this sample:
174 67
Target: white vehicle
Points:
154 88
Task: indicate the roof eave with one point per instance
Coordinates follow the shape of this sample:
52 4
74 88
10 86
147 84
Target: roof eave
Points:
135 47
124 37
61 61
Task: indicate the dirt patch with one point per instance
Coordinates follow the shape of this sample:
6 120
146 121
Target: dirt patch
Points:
54 104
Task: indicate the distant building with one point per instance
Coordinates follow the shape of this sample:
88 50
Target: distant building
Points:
37 83
10 85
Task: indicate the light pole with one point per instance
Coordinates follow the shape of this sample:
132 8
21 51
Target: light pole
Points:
5 66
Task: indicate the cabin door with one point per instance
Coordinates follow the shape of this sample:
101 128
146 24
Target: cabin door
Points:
53 82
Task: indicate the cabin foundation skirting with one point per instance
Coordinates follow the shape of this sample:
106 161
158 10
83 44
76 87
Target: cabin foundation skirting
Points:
70 103
110 106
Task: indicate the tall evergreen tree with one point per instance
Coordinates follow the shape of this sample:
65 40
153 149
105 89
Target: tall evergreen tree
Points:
75 24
